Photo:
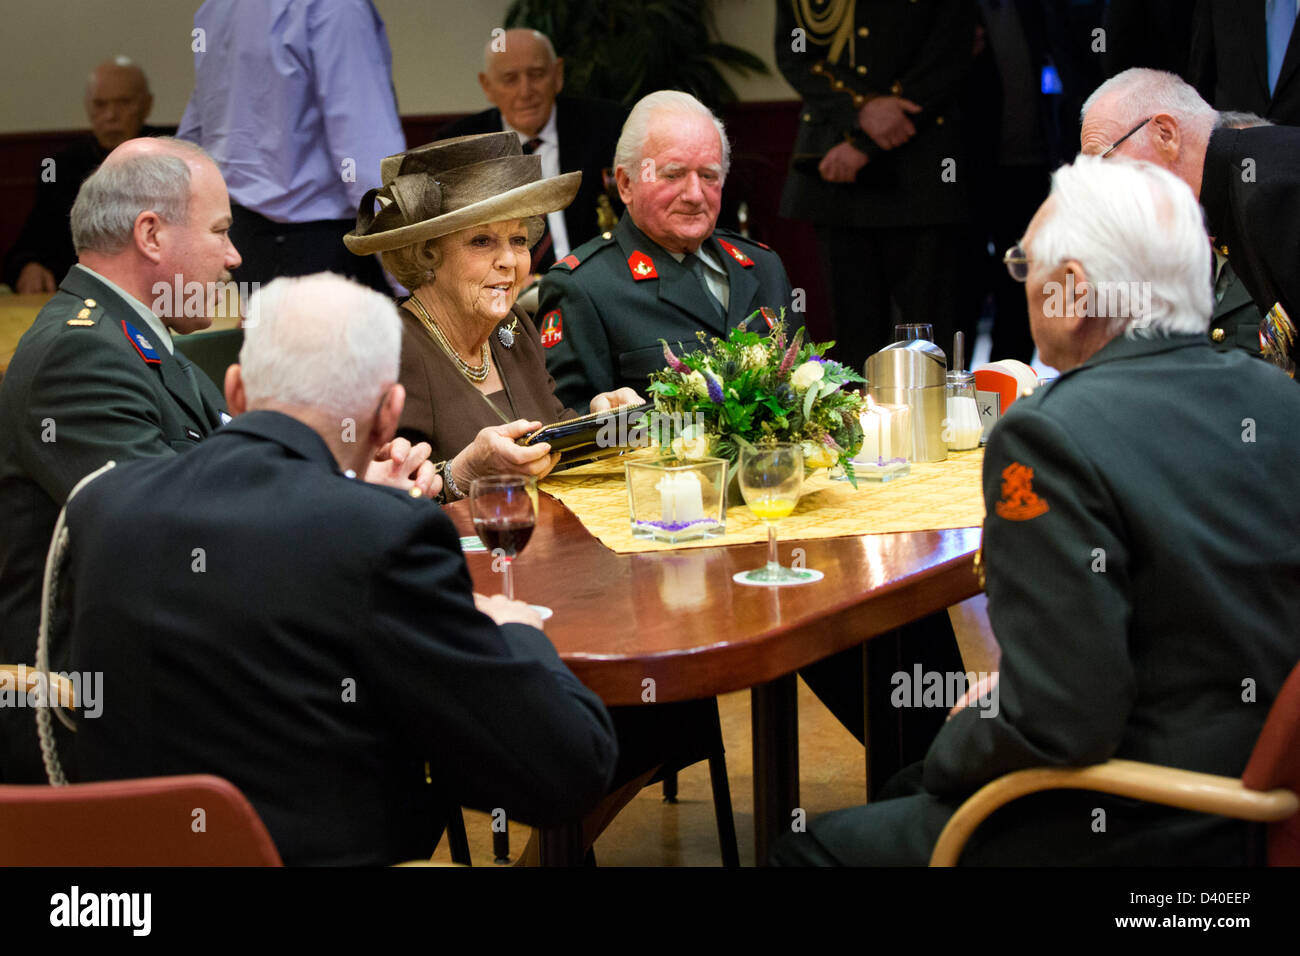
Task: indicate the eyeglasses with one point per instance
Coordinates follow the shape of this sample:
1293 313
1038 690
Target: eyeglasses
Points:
1017 263
1115 145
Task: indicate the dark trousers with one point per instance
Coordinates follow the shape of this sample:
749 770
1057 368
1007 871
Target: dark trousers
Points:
878 277
272 249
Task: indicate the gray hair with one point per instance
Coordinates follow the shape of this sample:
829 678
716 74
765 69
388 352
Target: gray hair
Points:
636 130
1238 119
321 342
1139 233
1146 92
414 265
112 198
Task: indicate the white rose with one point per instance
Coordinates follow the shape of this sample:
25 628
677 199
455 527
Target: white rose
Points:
817 455
691 447
806 374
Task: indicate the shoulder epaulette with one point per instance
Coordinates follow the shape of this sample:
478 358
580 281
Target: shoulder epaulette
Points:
87 316
580 255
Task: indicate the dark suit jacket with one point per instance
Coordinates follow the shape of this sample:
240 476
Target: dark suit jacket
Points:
74 397
610 320
1143 655
1229 61
588 131
921 51
327 658
1251 193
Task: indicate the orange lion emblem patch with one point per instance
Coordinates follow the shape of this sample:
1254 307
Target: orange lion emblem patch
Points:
1019 503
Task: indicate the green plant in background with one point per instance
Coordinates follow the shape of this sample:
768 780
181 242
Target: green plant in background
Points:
623 49
756 390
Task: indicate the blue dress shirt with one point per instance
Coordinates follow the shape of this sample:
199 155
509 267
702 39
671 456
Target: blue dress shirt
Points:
294 99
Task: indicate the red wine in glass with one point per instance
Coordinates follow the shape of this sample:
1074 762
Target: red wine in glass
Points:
504 513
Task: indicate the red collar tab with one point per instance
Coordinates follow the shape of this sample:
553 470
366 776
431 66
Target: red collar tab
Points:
642 266
570 260
735 253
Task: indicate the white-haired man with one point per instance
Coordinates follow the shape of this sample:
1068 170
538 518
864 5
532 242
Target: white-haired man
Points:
522 78
1131 505
96 377
1248 180
312 638
666 271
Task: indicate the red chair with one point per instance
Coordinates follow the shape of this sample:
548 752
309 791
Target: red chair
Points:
154 821
1267 792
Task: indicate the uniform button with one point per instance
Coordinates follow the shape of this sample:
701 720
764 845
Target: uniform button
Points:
1218 335
861 69
606 235
896 88
938 121
863 31
838 84
90 303
807 117
1223 249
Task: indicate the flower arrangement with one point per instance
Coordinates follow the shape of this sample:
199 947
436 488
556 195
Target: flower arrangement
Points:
753 390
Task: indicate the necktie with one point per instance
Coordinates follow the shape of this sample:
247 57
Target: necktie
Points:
696 266
1280 20
188 368
543 253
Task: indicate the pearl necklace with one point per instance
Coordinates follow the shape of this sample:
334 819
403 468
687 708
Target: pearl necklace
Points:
475 373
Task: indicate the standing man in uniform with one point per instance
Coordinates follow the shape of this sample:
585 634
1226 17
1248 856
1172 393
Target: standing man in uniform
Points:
522 79
117 104
666 271
877 163
96 377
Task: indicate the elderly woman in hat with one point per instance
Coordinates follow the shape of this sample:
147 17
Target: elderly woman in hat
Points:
456 221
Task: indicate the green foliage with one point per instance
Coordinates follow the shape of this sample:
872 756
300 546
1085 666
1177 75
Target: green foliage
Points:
738 389
623 49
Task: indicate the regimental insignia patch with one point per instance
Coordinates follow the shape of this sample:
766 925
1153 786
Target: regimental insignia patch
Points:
570 262
141 343
552 328
1019 503
735 253
642 266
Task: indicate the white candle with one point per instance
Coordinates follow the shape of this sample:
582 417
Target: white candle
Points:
877 432
681 497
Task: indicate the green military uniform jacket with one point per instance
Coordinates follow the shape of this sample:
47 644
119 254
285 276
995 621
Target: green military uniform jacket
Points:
82 389
604 308
919 50
1143 579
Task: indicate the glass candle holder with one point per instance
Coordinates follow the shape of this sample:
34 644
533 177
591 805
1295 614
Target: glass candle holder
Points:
676 499
886 442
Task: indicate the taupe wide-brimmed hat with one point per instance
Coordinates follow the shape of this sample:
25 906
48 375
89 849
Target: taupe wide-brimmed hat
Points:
453 184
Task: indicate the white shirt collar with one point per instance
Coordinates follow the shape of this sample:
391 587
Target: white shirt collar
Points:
155 324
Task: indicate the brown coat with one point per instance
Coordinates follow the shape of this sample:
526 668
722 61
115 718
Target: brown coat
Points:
444 409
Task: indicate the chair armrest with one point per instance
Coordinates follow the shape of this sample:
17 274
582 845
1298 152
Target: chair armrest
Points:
1185 789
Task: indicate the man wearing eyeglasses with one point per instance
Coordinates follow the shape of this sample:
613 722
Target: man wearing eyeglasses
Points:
1131 505
1248 180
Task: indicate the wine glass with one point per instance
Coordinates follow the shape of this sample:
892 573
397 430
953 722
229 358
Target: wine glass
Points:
771 477
504 509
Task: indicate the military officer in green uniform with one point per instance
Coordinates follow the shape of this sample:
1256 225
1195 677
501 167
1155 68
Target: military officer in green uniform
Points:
878 164
1140 554
96 377
665 272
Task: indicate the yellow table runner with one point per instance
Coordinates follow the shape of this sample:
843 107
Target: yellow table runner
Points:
945 494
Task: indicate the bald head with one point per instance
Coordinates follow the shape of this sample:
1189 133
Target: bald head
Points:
521 77
117 101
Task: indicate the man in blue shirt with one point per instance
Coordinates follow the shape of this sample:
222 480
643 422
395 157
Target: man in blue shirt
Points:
295 102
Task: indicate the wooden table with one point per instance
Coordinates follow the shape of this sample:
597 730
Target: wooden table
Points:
677 618
16 315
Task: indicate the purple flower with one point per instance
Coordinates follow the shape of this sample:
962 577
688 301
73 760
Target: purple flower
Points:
673 361
715 389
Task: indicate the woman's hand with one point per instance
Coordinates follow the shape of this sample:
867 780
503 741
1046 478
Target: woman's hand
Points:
623 396
494 452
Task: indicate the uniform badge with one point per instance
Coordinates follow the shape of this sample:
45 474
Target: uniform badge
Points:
735 253
570 260
225 417
769 316
552 328
141 343
642 266
1019 503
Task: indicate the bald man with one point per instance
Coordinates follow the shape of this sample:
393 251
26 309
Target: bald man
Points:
117 104
522 79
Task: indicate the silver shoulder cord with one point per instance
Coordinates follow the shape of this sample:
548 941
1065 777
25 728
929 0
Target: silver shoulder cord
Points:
49 593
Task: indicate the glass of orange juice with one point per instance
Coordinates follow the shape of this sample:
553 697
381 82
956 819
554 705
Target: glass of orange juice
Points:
771 477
